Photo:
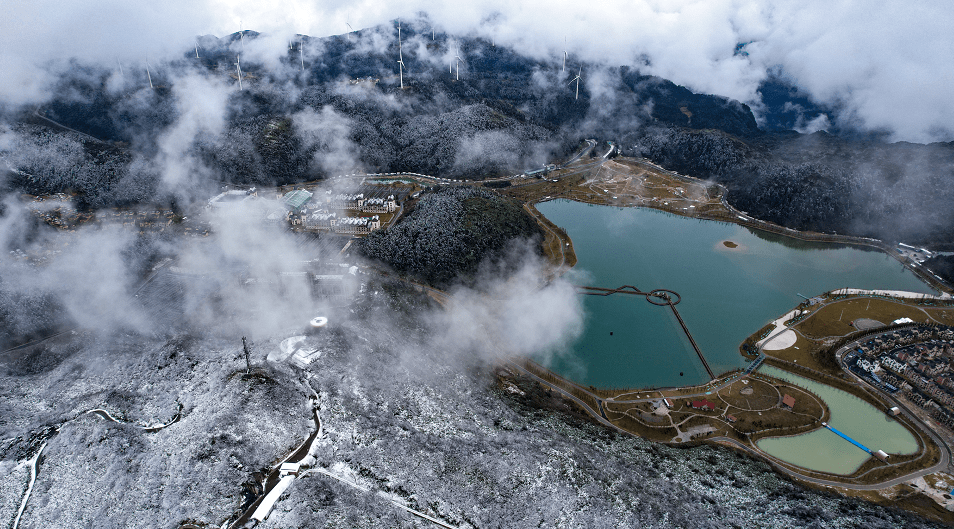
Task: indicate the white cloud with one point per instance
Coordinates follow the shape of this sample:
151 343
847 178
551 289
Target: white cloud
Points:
202 104
890 65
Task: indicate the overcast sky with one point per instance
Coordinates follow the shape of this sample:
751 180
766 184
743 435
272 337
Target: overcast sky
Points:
889 64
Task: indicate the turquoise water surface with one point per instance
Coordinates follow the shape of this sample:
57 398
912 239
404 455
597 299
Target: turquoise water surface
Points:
823 449
727 294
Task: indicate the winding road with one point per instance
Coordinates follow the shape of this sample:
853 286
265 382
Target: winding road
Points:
778 464
52 431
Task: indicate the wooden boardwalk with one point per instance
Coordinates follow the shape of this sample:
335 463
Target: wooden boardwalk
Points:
656 297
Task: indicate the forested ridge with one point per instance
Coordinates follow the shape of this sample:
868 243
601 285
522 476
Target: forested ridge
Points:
507 113
450 233
821 182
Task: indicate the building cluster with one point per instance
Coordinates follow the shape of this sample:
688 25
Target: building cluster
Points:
359 202
917 362
338 213
323 220
230 197
56 211
356 225
913 253
331 212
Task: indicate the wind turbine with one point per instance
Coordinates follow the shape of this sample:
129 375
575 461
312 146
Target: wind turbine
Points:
197 50
149 75
238 68
121 68
242 34
301 51
459 60
400 57
577 79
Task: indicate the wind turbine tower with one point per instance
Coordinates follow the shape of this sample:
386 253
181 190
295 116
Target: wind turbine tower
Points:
400 57
149 75
238 68
577 79
197 50
301 51
459 60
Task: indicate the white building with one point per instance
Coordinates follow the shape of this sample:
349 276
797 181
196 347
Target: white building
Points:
361 203
320 220
894 365
346 201
356 225
231 197
378 205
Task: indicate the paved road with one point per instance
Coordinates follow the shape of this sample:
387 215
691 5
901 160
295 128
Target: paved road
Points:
590 145
34 461
556 236
776 463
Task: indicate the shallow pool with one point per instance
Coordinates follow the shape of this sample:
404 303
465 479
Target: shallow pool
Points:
825 451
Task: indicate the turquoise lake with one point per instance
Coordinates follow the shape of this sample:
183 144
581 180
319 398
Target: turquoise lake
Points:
727 294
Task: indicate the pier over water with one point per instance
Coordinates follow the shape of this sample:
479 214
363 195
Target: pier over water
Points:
849 439
659 296
727 294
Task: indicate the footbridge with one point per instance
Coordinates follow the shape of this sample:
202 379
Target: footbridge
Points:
659 296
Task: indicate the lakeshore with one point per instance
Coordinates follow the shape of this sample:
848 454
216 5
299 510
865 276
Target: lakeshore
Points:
677 410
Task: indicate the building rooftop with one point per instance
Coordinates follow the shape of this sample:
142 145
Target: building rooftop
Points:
296 199
788 400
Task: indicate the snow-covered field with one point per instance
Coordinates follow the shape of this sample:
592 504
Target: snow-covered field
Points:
402 417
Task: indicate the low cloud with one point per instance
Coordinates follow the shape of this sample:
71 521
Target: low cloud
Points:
888 67
329 134
202 103
513 316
